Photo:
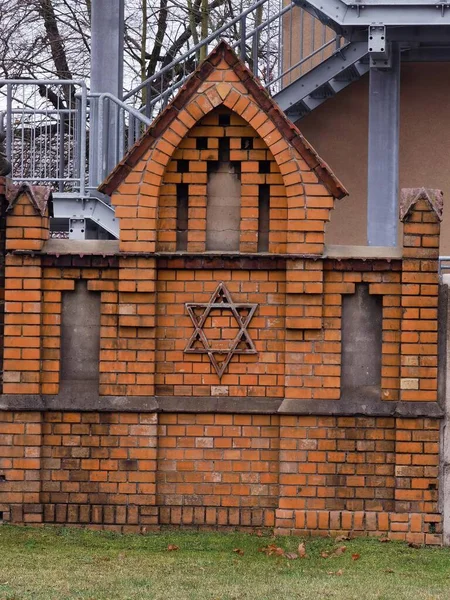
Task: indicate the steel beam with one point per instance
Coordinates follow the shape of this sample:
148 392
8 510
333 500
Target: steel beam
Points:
107 67
107 47
344 14
384 120
74 208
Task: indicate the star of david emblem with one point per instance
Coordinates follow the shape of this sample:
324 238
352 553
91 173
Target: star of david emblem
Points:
225 349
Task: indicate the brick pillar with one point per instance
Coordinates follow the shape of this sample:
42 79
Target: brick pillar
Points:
304 312
421 213
20 464
137 306
416 447
3 205
27 228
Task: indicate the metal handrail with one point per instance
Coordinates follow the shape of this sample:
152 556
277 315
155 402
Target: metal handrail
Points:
114 128
64 155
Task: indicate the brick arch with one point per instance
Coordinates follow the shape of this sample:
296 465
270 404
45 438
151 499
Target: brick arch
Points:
249 218
286 157
222 79
159 156
300 180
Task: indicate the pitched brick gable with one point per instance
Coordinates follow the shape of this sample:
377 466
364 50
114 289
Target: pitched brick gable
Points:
289 131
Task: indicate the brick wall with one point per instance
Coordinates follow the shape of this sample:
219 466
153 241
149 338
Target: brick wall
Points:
167 438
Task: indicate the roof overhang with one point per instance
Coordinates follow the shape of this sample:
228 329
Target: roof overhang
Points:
345 15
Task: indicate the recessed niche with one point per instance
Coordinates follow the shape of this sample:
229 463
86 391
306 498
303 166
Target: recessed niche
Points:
80 342
223 208
361 343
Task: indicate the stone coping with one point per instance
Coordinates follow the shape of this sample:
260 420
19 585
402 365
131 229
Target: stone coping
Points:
111 248
228 404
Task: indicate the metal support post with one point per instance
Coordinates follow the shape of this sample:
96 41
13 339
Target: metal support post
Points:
107 66
384 119
77 229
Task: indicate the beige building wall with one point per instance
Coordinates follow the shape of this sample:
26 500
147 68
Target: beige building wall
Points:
338 131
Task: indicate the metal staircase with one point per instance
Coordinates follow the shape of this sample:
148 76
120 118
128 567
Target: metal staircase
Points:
324 81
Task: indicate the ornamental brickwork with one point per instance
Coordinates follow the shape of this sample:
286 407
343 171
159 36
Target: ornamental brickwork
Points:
218 365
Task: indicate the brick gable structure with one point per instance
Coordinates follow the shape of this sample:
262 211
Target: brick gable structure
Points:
218 366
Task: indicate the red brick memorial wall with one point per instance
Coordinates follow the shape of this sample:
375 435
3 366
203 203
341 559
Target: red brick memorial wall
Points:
274 383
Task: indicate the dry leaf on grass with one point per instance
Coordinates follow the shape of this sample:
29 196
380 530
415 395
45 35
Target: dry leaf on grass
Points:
340 572
339 551
302 550
414 545
172 547
384 540
272 549
291 555
356 556
342 538
239 551
325 554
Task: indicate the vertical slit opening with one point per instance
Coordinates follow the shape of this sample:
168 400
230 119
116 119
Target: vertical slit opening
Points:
182 215
263 217
201 143
183 166
264 166
224 149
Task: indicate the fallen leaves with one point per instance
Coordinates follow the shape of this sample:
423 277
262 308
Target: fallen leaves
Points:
340 550
339 572
172 547
335 552
274 550
356 556
302 550
239 551
384 540
414 545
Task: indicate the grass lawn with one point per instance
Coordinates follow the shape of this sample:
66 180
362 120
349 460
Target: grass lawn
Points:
69 564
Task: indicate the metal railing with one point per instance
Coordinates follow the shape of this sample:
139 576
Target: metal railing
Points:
278 41
114 129
58 134
46 131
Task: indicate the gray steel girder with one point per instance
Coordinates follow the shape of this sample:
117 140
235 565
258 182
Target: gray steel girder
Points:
74 208
344 14
335 73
